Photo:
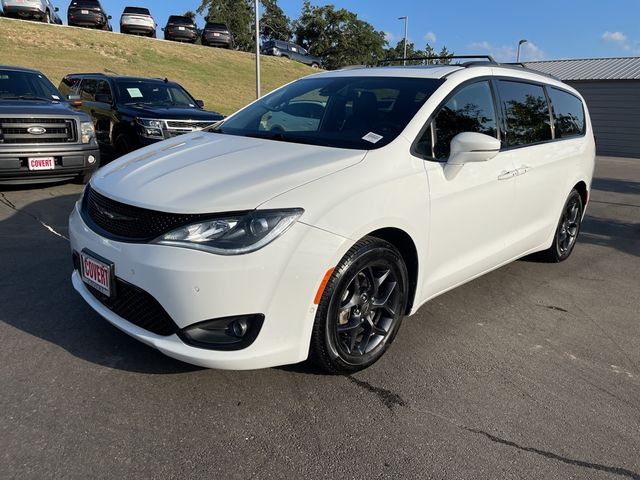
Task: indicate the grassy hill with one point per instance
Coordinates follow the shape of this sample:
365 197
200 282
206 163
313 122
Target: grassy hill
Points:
224 79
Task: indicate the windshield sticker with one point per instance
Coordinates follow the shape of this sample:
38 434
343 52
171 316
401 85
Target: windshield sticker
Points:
372 137
134 92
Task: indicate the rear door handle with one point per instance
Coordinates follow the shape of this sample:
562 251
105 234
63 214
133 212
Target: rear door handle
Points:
506 175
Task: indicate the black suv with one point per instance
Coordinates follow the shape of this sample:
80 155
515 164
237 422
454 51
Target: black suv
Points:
89 14
290 50
216 35
180 29
132 112
42 137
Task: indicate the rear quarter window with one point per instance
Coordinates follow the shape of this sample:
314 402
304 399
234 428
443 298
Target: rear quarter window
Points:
568 113
526 113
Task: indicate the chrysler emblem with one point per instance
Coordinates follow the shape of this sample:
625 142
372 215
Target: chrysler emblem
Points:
36 130
112 215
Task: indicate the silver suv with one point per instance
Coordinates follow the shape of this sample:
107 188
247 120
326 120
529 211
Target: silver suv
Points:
42 10
138 21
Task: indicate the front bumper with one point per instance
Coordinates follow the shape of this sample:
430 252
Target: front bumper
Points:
279 281
70 161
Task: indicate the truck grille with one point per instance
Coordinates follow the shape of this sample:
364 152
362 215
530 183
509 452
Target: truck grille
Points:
127 223
21 130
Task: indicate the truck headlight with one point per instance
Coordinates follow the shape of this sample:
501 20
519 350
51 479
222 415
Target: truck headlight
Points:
235 234
151 128
87 132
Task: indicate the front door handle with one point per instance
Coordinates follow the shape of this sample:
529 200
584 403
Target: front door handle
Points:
523 169
507 174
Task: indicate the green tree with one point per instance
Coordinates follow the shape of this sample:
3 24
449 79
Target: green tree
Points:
274 24
190 14
338 36
237 15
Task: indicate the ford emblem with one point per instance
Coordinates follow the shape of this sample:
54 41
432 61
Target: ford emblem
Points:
36 130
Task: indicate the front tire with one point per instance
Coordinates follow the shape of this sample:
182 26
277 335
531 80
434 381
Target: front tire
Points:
361 308
566 235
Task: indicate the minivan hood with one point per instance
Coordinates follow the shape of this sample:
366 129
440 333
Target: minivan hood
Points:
205 172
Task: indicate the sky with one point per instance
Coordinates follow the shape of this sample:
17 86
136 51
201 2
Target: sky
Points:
555 29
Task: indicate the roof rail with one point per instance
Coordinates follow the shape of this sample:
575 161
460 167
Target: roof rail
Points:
487 58
522 66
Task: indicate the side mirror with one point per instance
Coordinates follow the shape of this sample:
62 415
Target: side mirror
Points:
109 17
200 103
103 98
56 9
75 100
162 29
469 147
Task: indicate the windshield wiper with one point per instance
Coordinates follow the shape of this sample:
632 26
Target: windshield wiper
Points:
27 97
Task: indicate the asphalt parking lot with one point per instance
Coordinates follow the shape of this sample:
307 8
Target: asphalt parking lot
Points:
532 371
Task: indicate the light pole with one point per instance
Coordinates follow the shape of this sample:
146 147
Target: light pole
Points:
406 21
257 49
520 43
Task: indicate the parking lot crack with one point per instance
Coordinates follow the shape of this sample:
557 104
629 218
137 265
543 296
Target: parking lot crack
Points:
5 201
387 397
553 456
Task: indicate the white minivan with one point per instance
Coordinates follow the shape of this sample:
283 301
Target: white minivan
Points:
246 246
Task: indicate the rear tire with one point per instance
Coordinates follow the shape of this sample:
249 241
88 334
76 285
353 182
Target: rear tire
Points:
361 308
123 145
566 235
47 18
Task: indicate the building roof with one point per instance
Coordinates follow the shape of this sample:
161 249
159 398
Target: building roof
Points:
622 68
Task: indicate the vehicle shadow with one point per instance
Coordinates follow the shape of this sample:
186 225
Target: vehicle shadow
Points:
616 185
622 236
37 297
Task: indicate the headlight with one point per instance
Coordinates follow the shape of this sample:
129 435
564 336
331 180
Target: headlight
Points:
87 132
233 235
151 128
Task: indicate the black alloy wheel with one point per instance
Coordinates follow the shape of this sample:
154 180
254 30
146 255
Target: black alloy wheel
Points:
568 229
361 308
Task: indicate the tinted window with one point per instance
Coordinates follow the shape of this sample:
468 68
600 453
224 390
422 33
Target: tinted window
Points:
154 93
85 3
347 112
469 110
180 21
103 89
568 113
88 89
137 11
526 113
14 84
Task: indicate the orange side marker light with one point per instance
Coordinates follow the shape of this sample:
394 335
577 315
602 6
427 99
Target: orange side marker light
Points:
322 286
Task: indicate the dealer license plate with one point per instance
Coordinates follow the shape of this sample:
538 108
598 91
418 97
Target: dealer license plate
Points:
42 163
96 273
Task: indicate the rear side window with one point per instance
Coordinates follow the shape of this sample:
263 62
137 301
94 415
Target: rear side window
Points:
526 113
471 109
88 89
568 113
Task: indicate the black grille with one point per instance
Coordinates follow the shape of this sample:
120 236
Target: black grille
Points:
135 306
128 223
16 130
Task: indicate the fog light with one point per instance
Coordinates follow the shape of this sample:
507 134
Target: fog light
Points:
229 333
91 159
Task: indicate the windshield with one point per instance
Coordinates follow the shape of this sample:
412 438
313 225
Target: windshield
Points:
26 86
155 93
347 112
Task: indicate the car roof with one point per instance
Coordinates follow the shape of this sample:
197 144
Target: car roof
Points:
126 78
19 69
442 71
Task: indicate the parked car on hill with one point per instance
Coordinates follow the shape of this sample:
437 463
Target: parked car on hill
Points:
246 246
42 138
217 35
42 10
279 48
131 112
180 29
138 21
88 14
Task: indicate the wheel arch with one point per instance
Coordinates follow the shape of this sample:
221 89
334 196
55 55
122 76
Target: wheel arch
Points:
582 189
407 248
